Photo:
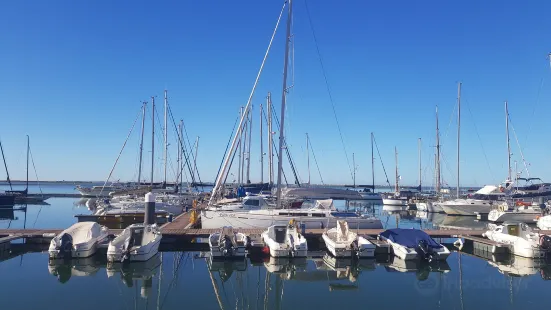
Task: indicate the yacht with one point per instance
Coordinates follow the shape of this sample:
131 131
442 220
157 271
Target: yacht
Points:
322 215
523 241
100 190
507 211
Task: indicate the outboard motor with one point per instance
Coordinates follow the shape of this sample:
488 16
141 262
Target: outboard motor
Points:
128 244
66 245
427 252
545 242
226 245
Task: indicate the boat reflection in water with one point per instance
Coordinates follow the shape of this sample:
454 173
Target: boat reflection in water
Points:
420 267
83 267
225 268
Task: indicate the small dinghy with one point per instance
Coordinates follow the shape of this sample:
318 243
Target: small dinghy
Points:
520 237
285 241
342 242
228 244
137 242
79 240
413 244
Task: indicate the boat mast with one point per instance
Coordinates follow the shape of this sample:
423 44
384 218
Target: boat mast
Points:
5 165
240 148
166 138
141 145
28 148
152 137
181 167
261 149
437 161
397 185
283 101
372 165
244 142
270 139
419 147
308 157
354 170
196 151
458 131
249 147
509 178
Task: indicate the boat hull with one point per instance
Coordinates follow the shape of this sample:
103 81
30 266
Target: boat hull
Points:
429 207
395 202
337 249
218 219
238 252
465 210
500 216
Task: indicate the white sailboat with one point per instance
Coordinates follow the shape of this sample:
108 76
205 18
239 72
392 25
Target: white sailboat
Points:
342 242
285 241
79 240
395 199
137 242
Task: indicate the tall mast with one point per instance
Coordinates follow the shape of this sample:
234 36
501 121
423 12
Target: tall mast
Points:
354 170
28 148
5 165
249 147
196 151
419 148
244 142
458 131
166 136
152 137
509 178
308 157
141 144
372 165
261 148
240 148
283 101
178 162
396 185
437 155
181 167
270 139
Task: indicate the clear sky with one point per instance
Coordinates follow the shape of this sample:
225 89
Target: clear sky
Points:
73 75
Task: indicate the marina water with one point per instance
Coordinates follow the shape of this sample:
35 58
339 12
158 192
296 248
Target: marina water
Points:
176 278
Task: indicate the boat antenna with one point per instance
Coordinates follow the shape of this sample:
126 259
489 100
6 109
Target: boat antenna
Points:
5 165
283 101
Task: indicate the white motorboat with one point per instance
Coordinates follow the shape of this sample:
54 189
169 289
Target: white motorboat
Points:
544 222
414 244
467 206
79 240
521 239
429 206
228 244
137 242
342 242
322 215
507 212
285 241
395 200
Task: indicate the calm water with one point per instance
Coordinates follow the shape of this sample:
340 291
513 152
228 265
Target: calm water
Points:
175 280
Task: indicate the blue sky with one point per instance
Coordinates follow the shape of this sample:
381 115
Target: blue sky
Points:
73 74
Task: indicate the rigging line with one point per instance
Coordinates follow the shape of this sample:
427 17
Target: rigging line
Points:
274 148
519 148
315 160
534 111
381 159
480 140
35 173
182 145
291 163
120 153
173 282
327 85
227 147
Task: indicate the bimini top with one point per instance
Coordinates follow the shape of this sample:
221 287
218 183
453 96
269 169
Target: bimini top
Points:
409 237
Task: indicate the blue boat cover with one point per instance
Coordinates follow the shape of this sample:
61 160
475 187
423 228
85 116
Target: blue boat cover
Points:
409 237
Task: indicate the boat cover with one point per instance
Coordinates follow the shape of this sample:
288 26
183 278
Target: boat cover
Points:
409 237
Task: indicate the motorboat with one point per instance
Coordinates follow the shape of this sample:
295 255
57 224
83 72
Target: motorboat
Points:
342 242
137 242
228 243
429 206
414 244
421 268
506 211
79 240
322 215
467 207
99 190
285 241
521 239
544 222
367 194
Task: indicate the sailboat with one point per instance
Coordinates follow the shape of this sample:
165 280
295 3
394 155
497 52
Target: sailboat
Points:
6 200
318 217
395 199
